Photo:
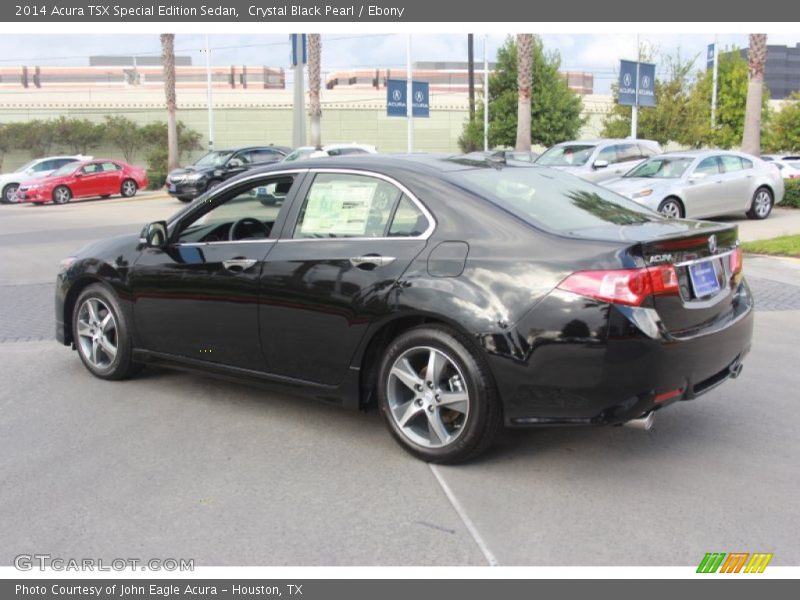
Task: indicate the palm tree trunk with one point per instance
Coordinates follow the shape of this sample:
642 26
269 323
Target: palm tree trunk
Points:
757 59
168 63
314 58
524 83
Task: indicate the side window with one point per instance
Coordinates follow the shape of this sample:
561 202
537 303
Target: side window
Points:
609 154
60 162
408 220
264 156
91 169
628 152
730 163
708 166
45 165
110 166
747 163
243 157
246 214
341 206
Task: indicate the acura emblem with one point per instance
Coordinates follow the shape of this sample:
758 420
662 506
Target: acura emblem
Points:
712 244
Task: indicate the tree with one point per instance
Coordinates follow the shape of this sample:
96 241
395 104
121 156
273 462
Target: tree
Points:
125 134
6 142
168 64
314 58
79 135
37 136
783 134
524 75
731 100
757 60
666 121
555 109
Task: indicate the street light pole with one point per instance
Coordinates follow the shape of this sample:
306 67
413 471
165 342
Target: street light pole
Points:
209 99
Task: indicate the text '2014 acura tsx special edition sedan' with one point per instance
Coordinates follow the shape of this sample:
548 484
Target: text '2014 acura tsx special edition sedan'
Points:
456 295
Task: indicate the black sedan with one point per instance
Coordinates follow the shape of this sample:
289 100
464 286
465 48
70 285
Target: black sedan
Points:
187 183
457 295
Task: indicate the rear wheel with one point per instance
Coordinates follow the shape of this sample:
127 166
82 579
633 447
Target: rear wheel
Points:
672 208
62 195
102 335
129 188
185 199
10 193
437 396
761 205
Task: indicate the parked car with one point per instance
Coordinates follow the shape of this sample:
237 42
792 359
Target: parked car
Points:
85 179
41 167
790 169
706 183
457 295
517 155
782 157
598 160
305 152
210 170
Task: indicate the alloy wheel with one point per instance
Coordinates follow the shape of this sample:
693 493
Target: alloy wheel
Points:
11 194
671 210
97 333
428 397
62 195
128 188
763 203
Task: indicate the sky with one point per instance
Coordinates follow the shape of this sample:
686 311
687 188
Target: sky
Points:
595 53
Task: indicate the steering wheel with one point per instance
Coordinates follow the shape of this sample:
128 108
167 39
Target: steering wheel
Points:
249 222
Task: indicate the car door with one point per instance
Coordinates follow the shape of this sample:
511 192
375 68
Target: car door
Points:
737 186
703 187
87 181
110 179
197 298
350 236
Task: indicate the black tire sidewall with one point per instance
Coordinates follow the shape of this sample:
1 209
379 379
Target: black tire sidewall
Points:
3 198
121 367
752 212
480 387
122 188
672 200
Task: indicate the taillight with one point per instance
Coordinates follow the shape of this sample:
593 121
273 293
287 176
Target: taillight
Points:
623 286
735 263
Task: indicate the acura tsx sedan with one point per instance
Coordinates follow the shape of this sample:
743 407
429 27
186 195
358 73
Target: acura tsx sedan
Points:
456 295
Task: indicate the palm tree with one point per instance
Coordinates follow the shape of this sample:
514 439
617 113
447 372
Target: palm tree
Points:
168 63
757 59
524 83
314 57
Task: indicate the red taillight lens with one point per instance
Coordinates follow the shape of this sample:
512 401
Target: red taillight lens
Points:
736 261
623 286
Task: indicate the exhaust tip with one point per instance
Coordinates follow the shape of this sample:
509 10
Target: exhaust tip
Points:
645 423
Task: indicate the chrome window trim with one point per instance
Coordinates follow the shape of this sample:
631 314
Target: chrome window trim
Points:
222 242
423 209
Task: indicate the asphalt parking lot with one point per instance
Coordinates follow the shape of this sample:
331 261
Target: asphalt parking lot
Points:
176 465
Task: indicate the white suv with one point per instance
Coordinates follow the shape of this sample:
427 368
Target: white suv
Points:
40 167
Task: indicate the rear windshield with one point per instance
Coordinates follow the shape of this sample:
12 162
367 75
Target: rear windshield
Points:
555 201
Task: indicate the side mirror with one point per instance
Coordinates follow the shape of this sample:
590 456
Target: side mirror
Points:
234 163
600 164
697 177
155 234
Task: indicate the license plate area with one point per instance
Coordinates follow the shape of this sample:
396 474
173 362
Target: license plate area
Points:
171 187
705 277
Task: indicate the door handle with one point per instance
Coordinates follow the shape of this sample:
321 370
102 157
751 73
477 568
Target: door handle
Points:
371 260
237 265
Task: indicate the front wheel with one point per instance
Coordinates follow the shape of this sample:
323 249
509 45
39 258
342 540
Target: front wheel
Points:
62 195
129 188
10 194
437 395
762 204
671 207
102 335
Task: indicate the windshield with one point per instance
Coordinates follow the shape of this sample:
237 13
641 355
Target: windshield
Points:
27 166
298 154
214 159
664 167
567 155
559 203
67 169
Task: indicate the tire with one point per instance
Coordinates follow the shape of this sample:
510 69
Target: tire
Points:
62 195
185 199
94 340
128 188
672 208
464 376
762 203
9 194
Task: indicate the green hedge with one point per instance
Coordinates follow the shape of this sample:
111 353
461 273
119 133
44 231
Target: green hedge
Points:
792 197
156 179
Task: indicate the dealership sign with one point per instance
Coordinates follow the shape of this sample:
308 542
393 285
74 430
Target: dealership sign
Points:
633 75
396 98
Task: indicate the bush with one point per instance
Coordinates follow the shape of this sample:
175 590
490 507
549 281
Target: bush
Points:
156 179
792 197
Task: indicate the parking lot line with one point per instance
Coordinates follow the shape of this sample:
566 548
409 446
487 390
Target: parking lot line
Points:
462 514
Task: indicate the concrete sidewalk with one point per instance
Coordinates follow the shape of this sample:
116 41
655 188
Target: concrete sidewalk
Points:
782 221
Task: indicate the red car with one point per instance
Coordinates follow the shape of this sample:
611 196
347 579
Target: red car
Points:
84 179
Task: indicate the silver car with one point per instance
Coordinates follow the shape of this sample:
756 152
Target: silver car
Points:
702 184
598 160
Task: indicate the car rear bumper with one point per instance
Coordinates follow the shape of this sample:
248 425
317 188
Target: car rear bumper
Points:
607 365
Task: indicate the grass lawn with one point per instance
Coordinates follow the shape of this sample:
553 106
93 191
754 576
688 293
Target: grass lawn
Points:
786 245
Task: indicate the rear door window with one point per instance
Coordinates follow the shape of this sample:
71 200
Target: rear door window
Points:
708 166
608 154
730 164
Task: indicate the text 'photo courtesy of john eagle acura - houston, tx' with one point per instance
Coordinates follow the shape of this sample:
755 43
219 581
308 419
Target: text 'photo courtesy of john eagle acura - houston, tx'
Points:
457 295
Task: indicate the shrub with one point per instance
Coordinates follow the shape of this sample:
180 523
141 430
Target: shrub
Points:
792 197
156 179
